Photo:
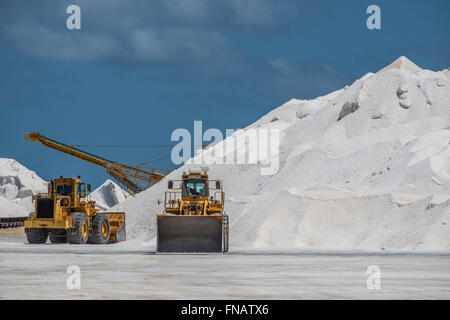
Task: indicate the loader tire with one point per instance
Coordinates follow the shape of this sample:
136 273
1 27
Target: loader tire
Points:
79 233
36 235
100 229
58 236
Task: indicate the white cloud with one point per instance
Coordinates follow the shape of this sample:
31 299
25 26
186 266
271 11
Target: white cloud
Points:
177 44
47 43
283 66
180 31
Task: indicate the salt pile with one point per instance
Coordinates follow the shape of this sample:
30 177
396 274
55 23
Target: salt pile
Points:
402 63
17 185
108 195
364 167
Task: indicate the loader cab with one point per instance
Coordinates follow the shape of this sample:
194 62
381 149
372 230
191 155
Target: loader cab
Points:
195 188
195 184
64 189
63 186
70 187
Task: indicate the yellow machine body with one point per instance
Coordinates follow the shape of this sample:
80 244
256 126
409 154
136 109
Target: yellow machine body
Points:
66 197
194 219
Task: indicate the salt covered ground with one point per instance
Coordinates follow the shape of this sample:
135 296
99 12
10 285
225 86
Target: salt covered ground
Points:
131 271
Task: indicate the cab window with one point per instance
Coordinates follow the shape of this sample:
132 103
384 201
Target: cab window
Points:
64 190
195 188
81 190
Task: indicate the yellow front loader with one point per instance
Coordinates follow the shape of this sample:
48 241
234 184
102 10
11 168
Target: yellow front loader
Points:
194 219
66 214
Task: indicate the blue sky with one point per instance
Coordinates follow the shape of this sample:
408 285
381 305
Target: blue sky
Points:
137 70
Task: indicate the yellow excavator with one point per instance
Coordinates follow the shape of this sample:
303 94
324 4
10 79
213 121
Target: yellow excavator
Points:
194 219
65 213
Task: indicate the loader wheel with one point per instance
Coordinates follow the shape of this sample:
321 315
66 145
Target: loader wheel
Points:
58 236
79 233
100 229
36 235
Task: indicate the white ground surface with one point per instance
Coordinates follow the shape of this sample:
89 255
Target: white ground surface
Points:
132 271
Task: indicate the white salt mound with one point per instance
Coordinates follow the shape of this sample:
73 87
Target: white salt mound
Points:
108 195
402 63
377 179
17 185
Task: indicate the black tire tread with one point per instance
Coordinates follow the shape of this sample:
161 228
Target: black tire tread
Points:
36 235
74 235
96 236
57 238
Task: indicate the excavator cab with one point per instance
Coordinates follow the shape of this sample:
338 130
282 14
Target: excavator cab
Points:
194 219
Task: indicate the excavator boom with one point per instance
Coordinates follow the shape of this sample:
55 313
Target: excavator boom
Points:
134 178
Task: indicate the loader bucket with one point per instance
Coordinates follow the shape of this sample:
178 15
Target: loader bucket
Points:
117 231
189 234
